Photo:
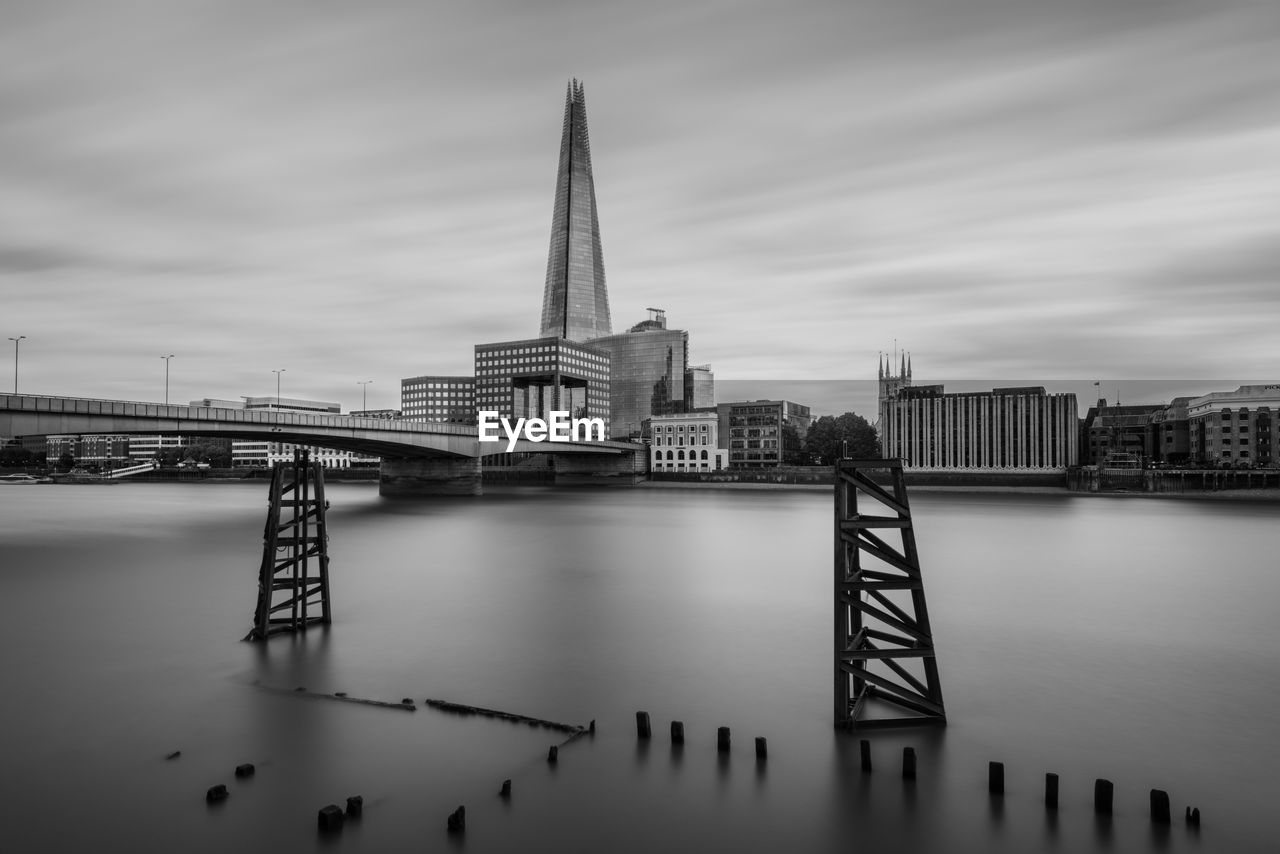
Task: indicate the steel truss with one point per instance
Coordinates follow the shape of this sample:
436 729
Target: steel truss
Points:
295 544
886 673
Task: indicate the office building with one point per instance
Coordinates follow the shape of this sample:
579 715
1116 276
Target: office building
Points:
575 301
752 431
1117 434
648 365
439 398
686 441
536 376
1236 428
1019 427
699 388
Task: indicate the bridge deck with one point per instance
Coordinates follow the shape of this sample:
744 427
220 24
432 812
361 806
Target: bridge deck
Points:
35 415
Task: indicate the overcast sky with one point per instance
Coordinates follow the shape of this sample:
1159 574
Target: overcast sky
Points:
361 190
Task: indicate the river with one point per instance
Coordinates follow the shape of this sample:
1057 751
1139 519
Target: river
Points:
1126 638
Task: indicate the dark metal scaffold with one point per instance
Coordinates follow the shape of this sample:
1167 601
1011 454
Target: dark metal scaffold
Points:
885 670
293 581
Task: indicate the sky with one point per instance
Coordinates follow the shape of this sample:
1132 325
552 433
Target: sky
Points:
349 191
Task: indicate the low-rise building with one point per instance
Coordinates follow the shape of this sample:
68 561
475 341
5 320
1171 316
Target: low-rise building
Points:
751 430
687 442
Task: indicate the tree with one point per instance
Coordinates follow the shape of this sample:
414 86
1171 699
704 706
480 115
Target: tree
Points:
850 433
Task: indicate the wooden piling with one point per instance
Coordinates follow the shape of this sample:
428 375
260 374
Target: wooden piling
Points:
355 806
505 791
1103 793
457 820
1051 791
677 732
762 747
908 763
553 754
216 793
1193 817
864 748
330 818
995 778
1159 807
722 739
642 725
245 770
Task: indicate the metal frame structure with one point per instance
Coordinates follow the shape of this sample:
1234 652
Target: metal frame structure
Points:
879 642
295 544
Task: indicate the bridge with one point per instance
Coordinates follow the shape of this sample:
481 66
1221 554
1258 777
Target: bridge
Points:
418 457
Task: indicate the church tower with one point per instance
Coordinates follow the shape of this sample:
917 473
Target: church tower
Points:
891 383
575 301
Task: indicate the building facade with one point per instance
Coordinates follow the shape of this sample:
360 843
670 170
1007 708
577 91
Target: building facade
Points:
687 442
647 368
1119 433
1005 428
259 453
536 376
752 431
575 300
1236 428
439 398
699 388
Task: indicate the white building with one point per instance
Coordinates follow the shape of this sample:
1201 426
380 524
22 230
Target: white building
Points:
686 442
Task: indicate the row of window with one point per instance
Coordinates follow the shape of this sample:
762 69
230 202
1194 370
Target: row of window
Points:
680 440
679 455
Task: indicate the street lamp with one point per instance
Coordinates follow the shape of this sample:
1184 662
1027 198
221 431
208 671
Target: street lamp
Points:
278 373
364 394
15 361
166 377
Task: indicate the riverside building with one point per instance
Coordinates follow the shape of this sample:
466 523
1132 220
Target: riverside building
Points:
751 431
438 398
1236 428
686 442
1020 428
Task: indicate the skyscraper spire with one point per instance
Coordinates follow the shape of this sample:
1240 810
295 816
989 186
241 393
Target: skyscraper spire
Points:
575 301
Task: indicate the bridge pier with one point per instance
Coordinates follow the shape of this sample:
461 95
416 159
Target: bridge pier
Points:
410 476
625 469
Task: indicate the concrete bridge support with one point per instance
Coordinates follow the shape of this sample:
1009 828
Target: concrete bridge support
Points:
409 476
625 469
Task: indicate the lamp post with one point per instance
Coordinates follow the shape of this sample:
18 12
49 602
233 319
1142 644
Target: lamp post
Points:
166 377
15 361
364 394
278 373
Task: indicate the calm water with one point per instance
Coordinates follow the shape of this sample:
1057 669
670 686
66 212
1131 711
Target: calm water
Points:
1123 638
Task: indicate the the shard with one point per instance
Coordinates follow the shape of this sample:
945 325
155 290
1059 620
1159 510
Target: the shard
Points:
575 303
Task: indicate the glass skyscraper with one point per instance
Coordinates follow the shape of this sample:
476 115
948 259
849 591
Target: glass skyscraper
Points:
648 366
575 302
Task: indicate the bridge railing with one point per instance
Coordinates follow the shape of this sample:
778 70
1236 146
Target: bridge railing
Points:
177 412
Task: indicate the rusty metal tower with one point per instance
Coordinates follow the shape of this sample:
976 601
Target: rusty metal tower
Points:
293 580
885 670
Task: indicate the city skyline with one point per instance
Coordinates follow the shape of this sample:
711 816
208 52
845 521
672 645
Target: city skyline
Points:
1019 194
